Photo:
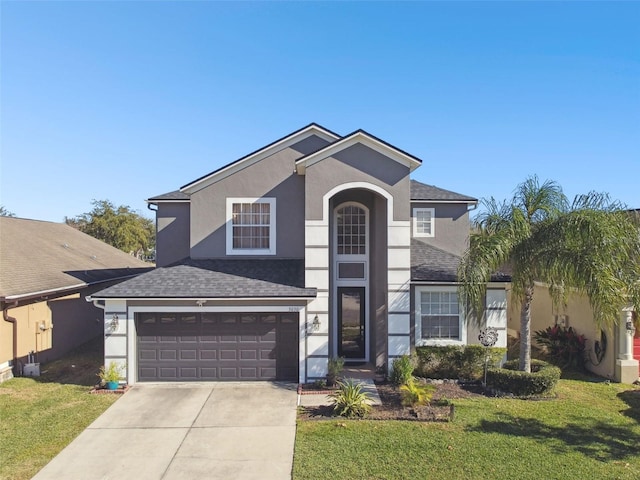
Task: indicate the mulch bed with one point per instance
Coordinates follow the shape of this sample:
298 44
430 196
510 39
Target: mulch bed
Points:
98 390
440 410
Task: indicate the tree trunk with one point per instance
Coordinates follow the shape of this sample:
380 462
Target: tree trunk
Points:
525 331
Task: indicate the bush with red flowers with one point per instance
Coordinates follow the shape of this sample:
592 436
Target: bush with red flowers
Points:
564 346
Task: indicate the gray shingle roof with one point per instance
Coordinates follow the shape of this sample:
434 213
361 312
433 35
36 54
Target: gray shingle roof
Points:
175 195
422 191
38 256
432 264
217 279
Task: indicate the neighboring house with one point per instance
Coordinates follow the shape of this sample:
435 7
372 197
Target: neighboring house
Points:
315 246
46 271
612 352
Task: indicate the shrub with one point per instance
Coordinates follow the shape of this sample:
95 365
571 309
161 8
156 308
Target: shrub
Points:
334 368
540 382
402 370
349 400
414 393
564 346
465 362
111 373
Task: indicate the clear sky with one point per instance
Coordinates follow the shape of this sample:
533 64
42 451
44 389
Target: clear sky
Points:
127 100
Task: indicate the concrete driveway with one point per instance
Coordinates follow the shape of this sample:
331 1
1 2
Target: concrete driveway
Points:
186 431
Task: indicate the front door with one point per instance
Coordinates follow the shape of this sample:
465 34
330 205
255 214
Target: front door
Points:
351 322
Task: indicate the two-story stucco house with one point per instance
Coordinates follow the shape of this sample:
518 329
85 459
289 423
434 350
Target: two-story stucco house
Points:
315 246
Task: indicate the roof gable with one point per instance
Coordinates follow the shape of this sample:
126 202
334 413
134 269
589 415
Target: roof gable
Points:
254 157
359 136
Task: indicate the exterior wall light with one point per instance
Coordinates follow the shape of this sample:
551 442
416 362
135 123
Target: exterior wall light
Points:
630 327
315 325
112 325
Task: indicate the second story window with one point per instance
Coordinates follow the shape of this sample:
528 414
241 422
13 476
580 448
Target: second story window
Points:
251 226
423 222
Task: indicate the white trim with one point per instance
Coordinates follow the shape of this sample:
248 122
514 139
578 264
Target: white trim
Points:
153 202
259 155
272 226
467 202
358 137
418 319
432 222
218 309
302 346
351 185
208 299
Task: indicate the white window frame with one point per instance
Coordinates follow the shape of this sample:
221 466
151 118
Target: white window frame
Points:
418 319
432 211
272 226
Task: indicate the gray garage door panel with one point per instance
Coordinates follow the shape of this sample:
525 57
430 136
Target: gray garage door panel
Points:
211 346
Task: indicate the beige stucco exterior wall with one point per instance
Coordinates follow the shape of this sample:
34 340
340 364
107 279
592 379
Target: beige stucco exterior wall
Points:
30 337
580 317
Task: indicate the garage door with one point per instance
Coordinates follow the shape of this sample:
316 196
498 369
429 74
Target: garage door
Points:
217 346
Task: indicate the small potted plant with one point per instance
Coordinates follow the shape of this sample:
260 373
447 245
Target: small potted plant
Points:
334 368
110 375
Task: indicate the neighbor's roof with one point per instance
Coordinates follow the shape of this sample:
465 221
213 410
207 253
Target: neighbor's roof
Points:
432 264
203 279
38 257
422 191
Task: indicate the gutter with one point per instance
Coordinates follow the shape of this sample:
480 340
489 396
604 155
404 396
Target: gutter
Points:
14 323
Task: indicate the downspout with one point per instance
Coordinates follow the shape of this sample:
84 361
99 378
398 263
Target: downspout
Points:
14 323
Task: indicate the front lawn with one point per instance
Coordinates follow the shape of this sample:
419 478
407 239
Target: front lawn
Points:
39 417
592 430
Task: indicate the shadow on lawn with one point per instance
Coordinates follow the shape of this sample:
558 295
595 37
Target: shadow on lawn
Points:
78 367
598 440
631 398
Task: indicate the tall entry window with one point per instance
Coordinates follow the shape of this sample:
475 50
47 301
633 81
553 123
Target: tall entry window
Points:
351 282
351 224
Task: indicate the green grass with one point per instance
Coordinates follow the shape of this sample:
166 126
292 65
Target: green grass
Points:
592 430
39 417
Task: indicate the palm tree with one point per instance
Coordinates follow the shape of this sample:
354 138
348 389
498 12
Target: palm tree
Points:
591 246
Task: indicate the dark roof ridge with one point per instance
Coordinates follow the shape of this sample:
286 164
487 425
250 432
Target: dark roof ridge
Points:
362 131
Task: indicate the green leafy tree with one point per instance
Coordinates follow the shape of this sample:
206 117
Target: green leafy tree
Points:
120 227
6 213
591 246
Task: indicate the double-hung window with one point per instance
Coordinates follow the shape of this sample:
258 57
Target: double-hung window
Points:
439 318
251 226
423 222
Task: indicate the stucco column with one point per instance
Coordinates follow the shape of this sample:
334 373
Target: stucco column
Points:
626 365
626 336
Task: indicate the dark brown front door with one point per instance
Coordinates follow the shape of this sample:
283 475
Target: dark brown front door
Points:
217 346
351 325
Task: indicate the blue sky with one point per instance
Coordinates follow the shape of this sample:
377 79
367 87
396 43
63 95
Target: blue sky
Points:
126 100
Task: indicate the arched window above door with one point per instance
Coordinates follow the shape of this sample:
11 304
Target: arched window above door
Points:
351 230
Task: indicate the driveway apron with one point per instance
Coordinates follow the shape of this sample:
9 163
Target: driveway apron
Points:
234 430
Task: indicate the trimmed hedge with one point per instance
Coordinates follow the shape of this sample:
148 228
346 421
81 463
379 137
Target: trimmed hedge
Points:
540 382
464 362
